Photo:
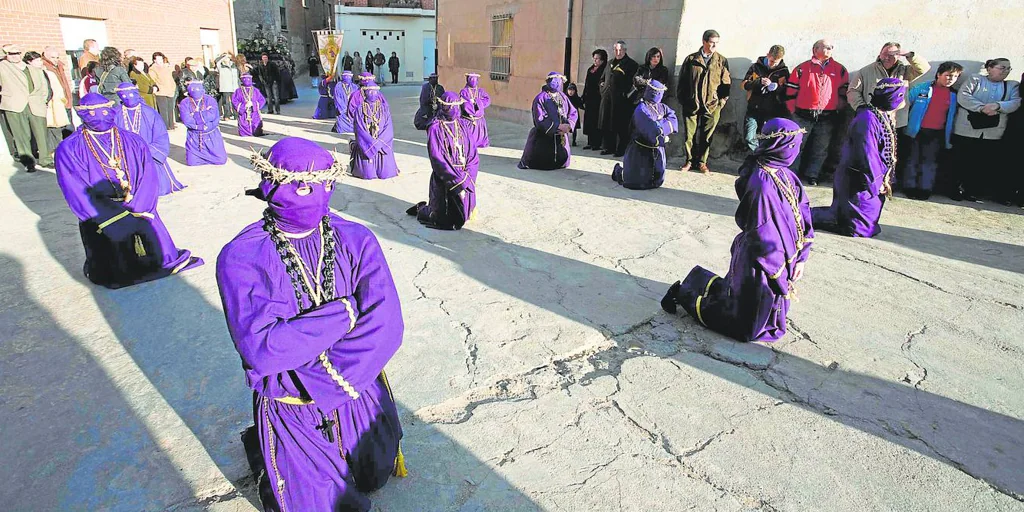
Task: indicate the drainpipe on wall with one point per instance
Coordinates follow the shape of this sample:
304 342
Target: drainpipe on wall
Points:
568 46
234 36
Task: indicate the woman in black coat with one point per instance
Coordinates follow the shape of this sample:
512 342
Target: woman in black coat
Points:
592 100
653 69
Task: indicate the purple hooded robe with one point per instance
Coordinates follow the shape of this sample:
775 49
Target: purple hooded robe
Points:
546 148
342 94
429 93
643 165
201 114
125 241
247 100
751 302
144 121
325 108
475 101
866 165
326 421
455 164
372 156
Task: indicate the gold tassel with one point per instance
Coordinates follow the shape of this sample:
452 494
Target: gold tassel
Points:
140 250
400 470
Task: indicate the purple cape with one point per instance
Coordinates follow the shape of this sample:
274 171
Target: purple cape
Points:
323 455
751 302
546 149
643 165
372 157
428 105
342 94
856 198
203 143
248 101
125 241
150 126
451 174
325 108
476 101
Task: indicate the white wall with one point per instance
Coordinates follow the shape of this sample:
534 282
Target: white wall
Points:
409 47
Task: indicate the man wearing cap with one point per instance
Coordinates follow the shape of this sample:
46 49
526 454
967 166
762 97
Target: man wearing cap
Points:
863 178
455 164
475 101
109 180
371 151
25 93
547 146
201 115
143 120
429 93
315 316
643 166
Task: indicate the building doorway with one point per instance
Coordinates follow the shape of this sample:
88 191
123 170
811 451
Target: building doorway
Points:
210 39
429 52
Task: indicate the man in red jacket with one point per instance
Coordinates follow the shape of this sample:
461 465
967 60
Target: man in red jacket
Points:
817 91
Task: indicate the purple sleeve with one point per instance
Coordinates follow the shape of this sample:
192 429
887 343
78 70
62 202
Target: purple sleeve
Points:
372 337
645 128
145 186
382 144
237 100
76 190
451 176
211 112
425 95
543 119
670 124
468 106
805 213
160 143
269 337
865 158
766 245
483 100
187 117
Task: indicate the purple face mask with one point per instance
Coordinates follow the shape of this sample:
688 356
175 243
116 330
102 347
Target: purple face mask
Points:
195 90
298 206
472 80
129 95
247 81
97 112
555 83
450 107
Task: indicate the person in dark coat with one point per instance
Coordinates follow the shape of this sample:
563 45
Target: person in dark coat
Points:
268 78
653 69
393 65
592 99
616 109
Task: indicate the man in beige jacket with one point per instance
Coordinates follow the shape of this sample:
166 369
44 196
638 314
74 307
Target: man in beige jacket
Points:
892 62
24 93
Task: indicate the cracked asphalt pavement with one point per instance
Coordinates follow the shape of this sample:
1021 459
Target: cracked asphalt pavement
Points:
538 371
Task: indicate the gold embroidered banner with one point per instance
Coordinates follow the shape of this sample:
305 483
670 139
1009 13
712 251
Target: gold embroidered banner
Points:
328 44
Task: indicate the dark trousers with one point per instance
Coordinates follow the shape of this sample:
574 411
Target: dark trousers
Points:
394 77
922 162
814 146
273 98
8 137
226 110
165 106
24 128
616 133
974 164
594 139
700 131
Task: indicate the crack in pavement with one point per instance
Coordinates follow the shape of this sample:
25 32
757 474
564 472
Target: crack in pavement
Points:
921 374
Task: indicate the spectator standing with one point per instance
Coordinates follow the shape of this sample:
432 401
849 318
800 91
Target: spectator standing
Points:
616 109
228 81
52 62
347 62
111 73
704 82
1013 142
985 101
270 81
368 62
653 69
56 107
393 66
378 64
574 98
313 62
139 73
165 88
765 83
592 99
128 58
4 127
90 53
892 62
357 64
242 66
929 129
25 95
89 82
817 93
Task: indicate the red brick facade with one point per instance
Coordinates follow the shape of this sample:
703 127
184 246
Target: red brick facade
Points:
137 24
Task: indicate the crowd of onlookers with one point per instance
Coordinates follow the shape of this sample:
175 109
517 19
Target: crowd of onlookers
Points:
38 90
958 132
373 63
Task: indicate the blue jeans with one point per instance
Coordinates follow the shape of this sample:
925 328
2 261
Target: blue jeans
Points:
815 144
923 164
751 127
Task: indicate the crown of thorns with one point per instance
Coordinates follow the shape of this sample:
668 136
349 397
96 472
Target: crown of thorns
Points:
890 85
775 135
108 104
457 102
281 176
123 88
657 87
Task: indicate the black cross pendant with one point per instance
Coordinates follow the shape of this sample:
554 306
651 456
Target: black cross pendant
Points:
326 428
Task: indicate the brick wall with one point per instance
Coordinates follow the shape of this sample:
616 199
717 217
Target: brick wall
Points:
137 24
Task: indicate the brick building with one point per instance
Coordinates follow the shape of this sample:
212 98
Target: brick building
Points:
294 19
124 24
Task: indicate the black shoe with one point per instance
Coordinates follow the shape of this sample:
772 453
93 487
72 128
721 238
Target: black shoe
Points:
619 155
587 147
812 182
607 152
415 209
668 303
972 198
30 168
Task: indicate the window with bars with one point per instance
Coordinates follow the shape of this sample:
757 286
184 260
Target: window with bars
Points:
501 47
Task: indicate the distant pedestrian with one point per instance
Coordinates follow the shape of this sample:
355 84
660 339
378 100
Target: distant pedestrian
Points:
227 82
56 114
25 94
357 64
111 73
147 86
368 62
393 66
314 70
378 65
592 99
703 89
817 94
166 90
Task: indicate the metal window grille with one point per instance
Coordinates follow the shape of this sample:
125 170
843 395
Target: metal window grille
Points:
501 47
